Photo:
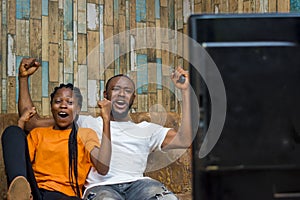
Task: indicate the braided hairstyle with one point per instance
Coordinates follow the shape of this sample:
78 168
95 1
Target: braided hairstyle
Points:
72 143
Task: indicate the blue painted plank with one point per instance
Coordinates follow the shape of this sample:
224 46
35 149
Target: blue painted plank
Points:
101 24
102 88
142 74
45 7
159 73
22 9
18 61
68 19
45 78
140 10
68 78
157 9
116 9
295 5
171 18
4 12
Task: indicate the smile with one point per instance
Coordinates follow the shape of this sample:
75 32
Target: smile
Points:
63 114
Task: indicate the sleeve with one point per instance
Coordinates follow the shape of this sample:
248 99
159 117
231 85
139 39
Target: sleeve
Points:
89 138
157 137
81 119
32 141
91 122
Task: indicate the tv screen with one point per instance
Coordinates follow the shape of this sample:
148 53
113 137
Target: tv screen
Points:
245 71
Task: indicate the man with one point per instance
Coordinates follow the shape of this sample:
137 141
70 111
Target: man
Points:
131 143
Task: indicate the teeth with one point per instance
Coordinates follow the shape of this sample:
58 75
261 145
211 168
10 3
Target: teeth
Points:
62 113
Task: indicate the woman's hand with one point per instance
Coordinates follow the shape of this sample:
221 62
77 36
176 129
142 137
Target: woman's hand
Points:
28 66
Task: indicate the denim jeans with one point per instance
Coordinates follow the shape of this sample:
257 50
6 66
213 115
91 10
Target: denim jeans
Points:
144 189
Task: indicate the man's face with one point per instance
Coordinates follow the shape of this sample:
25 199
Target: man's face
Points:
121 94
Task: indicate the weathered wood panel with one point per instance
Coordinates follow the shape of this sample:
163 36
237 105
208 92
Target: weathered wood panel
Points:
53 62
13 8
11 95
93 55
22 39
62 34
54 26
45 39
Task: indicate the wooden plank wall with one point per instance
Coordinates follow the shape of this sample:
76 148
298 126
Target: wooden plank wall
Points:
78 41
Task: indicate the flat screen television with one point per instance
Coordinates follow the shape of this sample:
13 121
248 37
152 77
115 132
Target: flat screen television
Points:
245 72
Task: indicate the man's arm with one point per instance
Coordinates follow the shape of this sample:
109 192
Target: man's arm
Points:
183 137
101 156
27 67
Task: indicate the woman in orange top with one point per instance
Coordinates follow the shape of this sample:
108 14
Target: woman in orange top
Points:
56 159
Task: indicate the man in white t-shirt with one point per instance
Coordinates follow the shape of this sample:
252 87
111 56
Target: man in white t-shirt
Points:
131 142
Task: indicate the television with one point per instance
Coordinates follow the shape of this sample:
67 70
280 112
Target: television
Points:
245 73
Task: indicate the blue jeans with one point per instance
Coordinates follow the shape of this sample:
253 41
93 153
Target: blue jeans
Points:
145 189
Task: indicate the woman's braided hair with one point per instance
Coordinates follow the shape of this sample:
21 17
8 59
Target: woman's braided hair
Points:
72 143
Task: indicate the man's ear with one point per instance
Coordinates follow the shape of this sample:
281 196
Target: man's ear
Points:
105 94
132 98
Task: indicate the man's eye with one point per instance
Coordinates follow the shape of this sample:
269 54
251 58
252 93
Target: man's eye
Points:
70 102
57 101
128 91
116 88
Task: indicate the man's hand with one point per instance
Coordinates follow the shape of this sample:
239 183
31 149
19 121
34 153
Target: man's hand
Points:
176 75
28 66
105 106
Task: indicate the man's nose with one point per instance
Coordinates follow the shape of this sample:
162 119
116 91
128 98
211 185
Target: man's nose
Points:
122 92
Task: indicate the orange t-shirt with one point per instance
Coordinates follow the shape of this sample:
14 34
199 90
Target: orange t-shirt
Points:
48 150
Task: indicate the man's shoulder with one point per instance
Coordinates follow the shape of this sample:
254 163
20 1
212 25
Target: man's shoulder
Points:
89 121
87 118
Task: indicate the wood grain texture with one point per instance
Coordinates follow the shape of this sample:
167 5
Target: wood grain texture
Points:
62 34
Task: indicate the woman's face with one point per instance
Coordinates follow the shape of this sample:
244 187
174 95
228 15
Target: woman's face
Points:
64 108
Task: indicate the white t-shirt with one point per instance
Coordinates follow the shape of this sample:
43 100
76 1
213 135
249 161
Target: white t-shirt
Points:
131 145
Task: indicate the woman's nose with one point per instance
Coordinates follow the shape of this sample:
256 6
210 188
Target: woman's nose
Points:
63 104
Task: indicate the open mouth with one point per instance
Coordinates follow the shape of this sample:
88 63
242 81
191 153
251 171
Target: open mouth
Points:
121 104
63 114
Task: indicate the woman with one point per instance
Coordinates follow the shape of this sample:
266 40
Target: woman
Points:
55 160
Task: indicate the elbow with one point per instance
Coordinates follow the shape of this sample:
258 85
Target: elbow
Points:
103 170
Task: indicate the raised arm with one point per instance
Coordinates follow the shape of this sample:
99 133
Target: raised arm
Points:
101 156
183 137
27 67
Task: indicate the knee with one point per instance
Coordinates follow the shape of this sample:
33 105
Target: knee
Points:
12 132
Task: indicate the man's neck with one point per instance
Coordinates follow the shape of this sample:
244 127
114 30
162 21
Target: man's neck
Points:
124 119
